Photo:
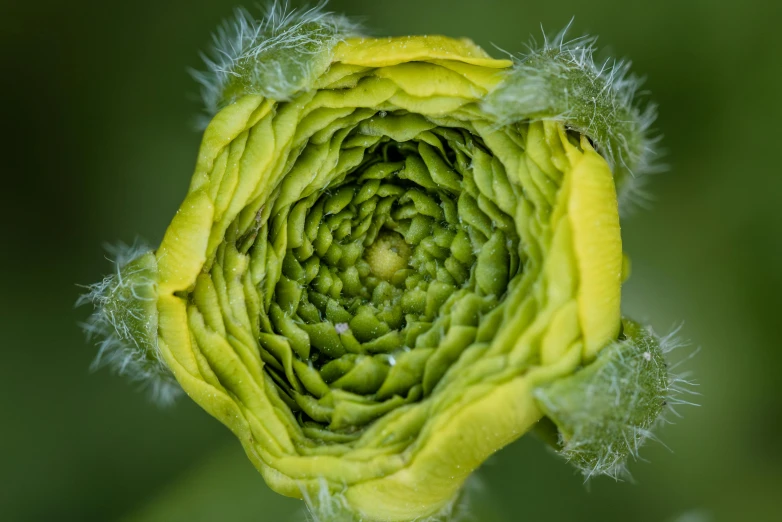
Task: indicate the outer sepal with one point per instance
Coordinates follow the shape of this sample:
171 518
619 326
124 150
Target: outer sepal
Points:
605 411
562 81
124 322
276 56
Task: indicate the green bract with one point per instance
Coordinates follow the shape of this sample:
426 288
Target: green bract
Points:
386 268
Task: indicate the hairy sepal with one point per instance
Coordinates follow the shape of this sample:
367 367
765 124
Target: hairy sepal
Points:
124 322
277 55
562 81
606 411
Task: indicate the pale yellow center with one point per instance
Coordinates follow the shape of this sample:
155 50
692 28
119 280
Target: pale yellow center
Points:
388 254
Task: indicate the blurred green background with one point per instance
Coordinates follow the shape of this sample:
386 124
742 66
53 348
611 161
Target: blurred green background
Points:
98 112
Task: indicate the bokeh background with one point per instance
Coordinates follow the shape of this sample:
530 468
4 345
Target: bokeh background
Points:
98 146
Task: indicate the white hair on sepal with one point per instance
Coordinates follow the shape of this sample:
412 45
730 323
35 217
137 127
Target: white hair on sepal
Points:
680 383
608 409
277 55
327 505
561 80
123 323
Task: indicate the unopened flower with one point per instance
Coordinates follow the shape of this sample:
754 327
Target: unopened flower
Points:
396 256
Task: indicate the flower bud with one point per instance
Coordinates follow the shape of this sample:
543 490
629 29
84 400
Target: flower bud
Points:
395 257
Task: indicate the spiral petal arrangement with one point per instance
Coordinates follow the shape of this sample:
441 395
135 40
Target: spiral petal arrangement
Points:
396 256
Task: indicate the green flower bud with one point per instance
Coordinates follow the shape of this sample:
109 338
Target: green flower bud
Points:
396 256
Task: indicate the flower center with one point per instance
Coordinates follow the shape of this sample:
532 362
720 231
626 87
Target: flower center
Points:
387 255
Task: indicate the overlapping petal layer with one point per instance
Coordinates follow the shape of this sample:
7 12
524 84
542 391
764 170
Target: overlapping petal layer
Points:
377 283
